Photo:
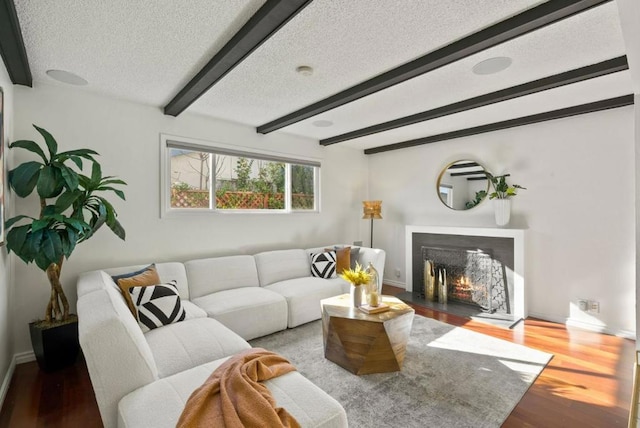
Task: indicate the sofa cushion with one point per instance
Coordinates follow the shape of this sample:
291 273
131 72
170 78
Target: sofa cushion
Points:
157 305
274 266
250 312
160 403
192 310
166 271
343 257
207 276
354 255
323 265
126 275
303 297
181 346
345 286
141 278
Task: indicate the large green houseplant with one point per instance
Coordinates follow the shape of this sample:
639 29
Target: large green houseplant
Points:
72 209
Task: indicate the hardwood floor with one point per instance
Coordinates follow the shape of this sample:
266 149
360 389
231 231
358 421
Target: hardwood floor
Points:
586 384
61 399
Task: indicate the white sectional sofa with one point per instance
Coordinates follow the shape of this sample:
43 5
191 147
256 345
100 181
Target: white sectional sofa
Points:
144 379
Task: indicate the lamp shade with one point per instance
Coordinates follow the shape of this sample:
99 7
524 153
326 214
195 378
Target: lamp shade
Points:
372 209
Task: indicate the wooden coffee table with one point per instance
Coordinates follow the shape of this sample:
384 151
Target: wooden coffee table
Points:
365 343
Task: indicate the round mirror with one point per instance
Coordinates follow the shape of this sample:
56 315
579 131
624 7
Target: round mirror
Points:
462 185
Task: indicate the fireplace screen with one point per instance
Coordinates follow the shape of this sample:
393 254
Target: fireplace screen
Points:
468 276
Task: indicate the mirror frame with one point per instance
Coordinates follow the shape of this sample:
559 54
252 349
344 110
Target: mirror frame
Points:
444 171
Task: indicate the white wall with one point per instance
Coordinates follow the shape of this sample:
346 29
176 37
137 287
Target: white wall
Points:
629 12
578 209
127 137
6 351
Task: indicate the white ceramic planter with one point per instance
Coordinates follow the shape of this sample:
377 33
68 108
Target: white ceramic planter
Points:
502 209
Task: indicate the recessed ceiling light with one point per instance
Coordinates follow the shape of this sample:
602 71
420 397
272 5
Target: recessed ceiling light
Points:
322 123
492 65
305 70
66 77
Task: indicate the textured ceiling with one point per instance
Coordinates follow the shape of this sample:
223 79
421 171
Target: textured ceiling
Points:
610 86
584 39
345 42
146 51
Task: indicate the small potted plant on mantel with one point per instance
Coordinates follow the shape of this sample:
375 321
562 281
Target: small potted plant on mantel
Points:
502 193
71 211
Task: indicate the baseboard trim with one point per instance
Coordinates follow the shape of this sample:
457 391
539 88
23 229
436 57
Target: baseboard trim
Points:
547 317
626 334
586 326
394 283
573 323
4 389
24 357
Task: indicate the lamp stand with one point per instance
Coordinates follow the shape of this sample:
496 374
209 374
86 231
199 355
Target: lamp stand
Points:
371 232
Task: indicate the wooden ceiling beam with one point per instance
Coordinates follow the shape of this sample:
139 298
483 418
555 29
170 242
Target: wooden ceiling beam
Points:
516 26
463 165
12 49
272 16
461 174
607 104
613 65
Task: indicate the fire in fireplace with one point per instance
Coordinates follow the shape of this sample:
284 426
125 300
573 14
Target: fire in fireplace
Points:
472 277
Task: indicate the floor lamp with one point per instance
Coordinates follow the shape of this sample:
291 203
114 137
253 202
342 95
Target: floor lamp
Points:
371 210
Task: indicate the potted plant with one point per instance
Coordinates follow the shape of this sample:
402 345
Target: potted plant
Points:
72 209
502 193
357 277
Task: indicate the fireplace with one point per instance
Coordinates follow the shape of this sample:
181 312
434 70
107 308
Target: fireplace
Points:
471 276
476 272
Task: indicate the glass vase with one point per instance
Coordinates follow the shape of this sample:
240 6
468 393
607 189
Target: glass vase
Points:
373 290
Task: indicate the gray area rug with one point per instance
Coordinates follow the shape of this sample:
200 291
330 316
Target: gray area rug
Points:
452 377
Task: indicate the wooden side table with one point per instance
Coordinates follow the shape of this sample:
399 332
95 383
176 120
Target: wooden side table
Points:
365 343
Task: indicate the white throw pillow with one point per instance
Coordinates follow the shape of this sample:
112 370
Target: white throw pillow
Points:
157 305
323 265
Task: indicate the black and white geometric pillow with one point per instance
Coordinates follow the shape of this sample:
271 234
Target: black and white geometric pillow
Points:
323 265
157 305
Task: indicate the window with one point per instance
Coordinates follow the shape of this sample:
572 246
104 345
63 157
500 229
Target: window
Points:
200 178
446 194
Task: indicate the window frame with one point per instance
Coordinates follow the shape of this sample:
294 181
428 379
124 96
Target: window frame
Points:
168 142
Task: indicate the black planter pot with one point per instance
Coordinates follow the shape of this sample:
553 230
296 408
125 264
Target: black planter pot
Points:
55 347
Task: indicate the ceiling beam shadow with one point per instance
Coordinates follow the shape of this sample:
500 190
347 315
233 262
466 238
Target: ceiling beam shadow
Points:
573 76
523 23
272 16
607 104
12 49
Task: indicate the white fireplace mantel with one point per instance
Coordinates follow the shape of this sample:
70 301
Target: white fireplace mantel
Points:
520 308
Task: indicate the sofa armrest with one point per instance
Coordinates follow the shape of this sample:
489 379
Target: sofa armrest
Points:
376 256
118 357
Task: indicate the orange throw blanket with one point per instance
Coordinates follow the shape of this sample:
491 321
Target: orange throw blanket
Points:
234 397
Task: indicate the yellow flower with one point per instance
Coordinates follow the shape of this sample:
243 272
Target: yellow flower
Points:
357 276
